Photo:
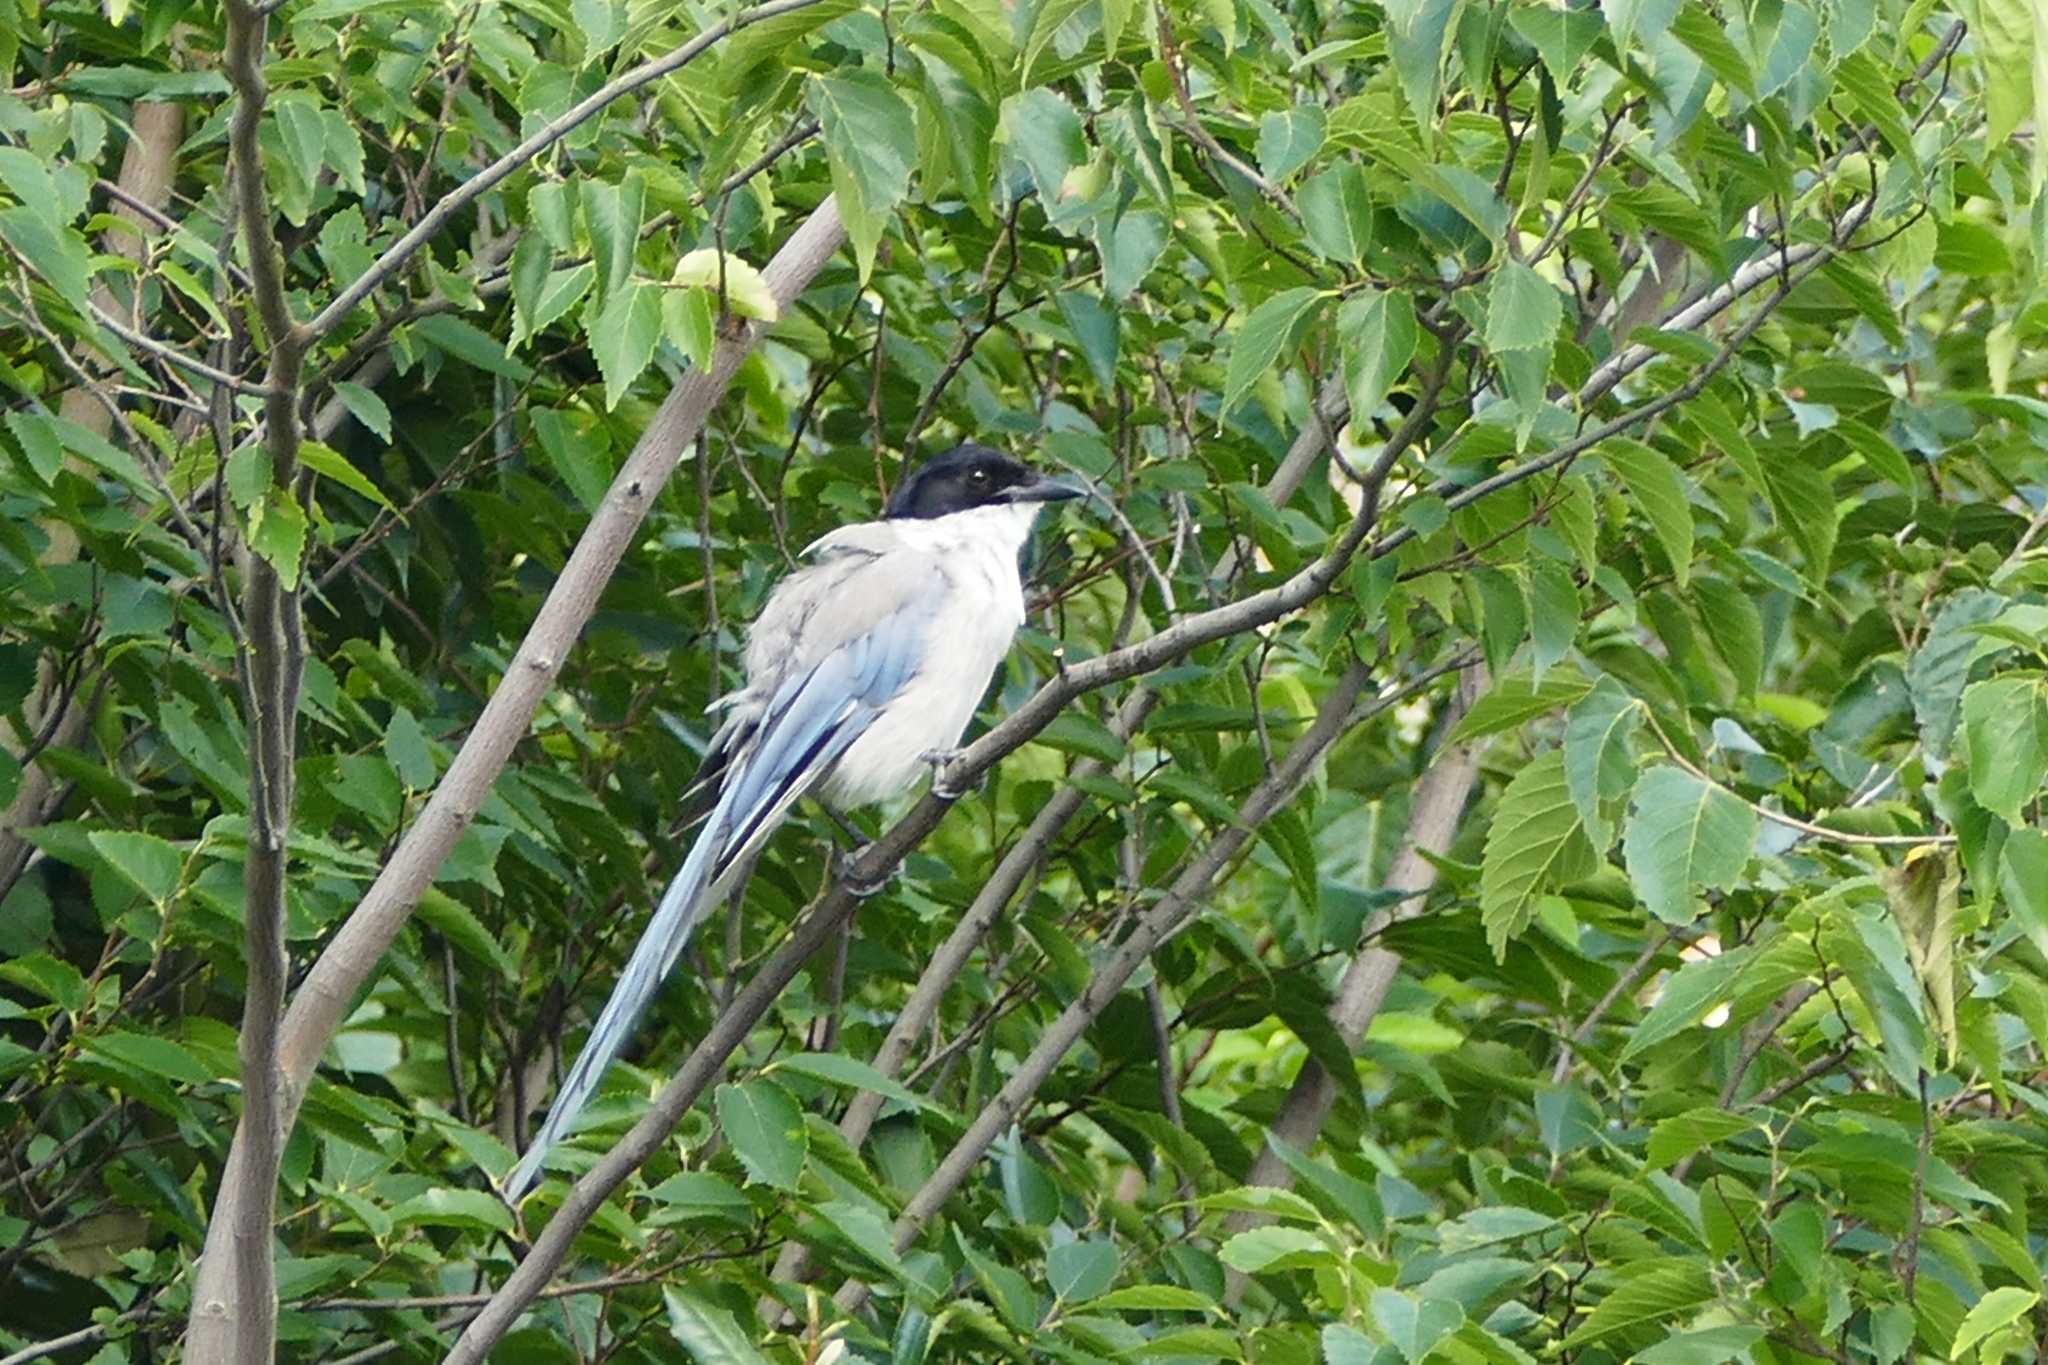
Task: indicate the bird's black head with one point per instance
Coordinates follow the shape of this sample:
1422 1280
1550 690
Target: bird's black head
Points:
970 476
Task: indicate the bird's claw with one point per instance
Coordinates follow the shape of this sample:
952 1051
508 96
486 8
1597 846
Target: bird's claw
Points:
857 886
939 759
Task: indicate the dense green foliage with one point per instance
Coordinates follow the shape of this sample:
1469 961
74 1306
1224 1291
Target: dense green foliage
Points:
1684 363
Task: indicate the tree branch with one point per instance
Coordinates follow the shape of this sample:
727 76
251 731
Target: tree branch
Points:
1434 811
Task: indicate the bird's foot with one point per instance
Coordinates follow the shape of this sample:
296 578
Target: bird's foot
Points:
857 886
939 759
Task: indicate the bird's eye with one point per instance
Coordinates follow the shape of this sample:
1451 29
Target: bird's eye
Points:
978 475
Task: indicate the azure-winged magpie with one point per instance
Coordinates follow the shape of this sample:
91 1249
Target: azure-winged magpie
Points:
861 669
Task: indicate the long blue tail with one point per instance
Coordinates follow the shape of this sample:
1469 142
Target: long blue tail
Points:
808 725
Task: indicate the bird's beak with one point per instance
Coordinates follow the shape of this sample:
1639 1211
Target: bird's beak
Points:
1044 488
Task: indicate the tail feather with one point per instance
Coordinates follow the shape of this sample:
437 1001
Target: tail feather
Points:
682 905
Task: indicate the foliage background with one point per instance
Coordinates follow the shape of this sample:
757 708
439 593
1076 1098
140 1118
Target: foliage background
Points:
1554 716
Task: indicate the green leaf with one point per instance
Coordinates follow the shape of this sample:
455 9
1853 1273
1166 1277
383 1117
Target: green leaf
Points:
1655 1289
1561 37
1683 1134
2023 877
410 754
1535 844
1523 310
1288 140
1658 490
1415 1326
446 1207
1689 995
1554 608
1707 1346
1736 629
1696 26
1376 333
1075 733
1153 1298
1079 1271
1599 763
1725 432
52 978
1998 1308
1805 505
766 1130
623 337
1940 668
330 463
277 532
56 253
611 213
470 345
1127 131
870 144
1275 1248
152 865
1518 698
152 1056
2005 741
458 924
746 293
837 1069
366 407
1683 835
1259 342
1336 213
579 447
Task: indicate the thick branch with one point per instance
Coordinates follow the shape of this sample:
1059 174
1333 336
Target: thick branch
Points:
1434 810
1159 922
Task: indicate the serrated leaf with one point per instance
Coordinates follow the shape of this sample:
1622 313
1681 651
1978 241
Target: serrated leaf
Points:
1275 1248
1657 488
1523 310
158 1057
330 463
1258 343
1336 213
1736 629
838 1069
1535 844
766 1130
1683 1134
870 145
1599 765
1518 698
152 865
277 532
2005 741
1688 996
623 337
1288 139
1684 835
1654 1290
458 924
366 407
1376 332
1998 1308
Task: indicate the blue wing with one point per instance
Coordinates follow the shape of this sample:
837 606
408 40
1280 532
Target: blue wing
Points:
812 720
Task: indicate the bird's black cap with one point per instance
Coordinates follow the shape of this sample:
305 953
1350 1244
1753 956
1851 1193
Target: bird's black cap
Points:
970 476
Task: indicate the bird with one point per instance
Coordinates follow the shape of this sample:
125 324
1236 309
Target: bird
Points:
862 671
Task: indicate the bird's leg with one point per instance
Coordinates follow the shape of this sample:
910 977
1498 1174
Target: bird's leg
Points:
939 759
843 860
